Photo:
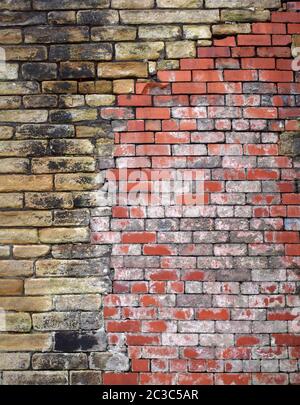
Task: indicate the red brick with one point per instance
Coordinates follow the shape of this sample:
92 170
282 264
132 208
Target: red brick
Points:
258 63
207 76
158 250
224 88
281 40
261 150
275 51
172 137
195 379
227 63
153 113
214 314
140 365
132 100
151 87
294 28
189 88
137 125
240 75
153 150
174 76
270 379
196 64
123 326
157 379
169 101
139 237
262 174
292 250
288 17
228 41
225 149
233 379
214 52
293 211
254 40
289 112
120 212
247 341
282 237
275 76
268 28
116 113
289 88
291 199
243 52
137 137
142 340
283 64
120 379
260 112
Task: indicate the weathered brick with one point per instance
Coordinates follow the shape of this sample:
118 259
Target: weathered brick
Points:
97 17
25 342
35 378
136 51
63 235
113 33
11 18
25 53
14 361
69 4
80 52
169 16
40 35
64 286
122 70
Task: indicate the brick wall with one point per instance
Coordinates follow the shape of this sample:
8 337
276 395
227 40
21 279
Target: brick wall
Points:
203 294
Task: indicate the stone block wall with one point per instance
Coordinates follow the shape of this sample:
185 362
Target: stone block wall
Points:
95 292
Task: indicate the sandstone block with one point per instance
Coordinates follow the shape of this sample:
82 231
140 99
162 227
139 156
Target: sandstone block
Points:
63 165
26 304
48 200
25 183
81 52
112 33
118 70
59 361
23 148
18 236
14 361
56 286
30 251
69 4
181 49
77 70
64 235
125 86
35 378
55 321
16 268
11 200
56 35
11 165
25 218
39 71
140 50
24 116
10 287
159 32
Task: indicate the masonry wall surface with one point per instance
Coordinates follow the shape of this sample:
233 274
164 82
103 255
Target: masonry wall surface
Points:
94 291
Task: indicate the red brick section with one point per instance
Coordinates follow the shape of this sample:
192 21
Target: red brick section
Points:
209 295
